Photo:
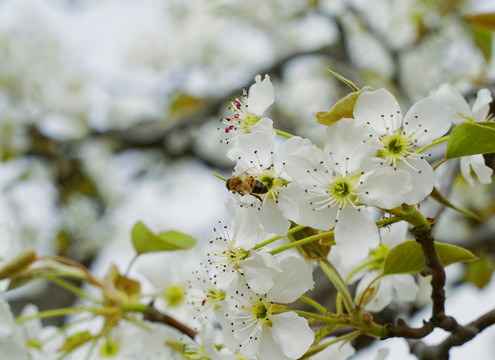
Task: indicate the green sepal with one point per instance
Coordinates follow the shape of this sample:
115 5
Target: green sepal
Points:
471 138
144 240
342 109
76 340
408 257
18 265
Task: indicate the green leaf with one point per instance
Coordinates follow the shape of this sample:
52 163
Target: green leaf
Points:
408 257
76 340
144 240
482 37
471 138
486 20
479 273
342 109
438 196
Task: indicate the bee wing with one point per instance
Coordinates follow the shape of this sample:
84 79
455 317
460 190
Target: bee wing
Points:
251 172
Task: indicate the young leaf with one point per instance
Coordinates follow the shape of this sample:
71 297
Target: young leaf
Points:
19 264
471 138
342 109
144 240
485 20
408 257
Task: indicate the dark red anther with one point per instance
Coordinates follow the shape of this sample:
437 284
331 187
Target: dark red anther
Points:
236 116
203 302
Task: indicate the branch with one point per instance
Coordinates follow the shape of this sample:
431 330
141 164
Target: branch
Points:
153 315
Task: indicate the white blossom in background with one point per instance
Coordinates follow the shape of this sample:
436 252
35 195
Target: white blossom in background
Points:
248 113
335 183
12 345
256 324
338 351
396 138
402 285
461 112
257 158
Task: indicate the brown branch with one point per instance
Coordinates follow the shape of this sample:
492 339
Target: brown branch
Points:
153 315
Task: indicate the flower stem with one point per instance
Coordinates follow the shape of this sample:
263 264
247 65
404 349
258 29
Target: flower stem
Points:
314 304
346 338
65 311
307 240
433 143
344 80
341 286
283 133
275 238
72 288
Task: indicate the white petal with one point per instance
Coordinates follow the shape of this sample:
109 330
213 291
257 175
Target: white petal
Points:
427 120
260 270
379 110
254 151
322 219
355 233
451 97
405 286
477 163
395 234
422 180
288 148
383 187
348 142
295 279
264 124
260 95
288 200
272 218
268 348
337 351
481 106
383 292
483 172
307 166
247 230
292 333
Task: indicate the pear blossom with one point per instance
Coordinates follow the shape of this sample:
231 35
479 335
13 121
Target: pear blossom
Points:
383 288
335 184
259 160
248 113
258 326
463 113
12 345
233 256
396 138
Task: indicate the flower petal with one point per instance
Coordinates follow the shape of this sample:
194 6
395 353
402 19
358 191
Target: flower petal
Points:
272 219
260 270
295 279
379 110
288 200
451 97
383 187
482 105
422 180
292 333
355 233
288 148
348 143
405 286
311 215
260 95
477 163
426 121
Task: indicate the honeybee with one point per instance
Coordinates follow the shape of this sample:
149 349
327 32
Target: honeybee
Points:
244 184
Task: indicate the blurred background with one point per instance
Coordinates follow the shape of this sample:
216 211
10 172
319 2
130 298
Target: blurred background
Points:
109 109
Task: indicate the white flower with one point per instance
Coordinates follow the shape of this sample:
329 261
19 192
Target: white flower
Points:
257 159
257 326
12 345
232 259
396 138
462 113
335 181
337 351
248 113
381 291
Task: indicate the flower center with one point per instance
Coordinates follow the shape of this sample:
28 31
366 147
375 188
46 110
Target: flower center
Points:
242 119
260 311
174 295
396 147
341 191
272 183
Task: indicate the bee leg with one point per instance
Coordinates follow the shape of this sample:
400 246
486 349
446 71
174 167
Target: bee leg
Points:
258 197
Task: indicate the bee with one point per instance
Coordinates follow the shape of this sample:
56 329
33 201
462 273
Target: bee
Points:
244 184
